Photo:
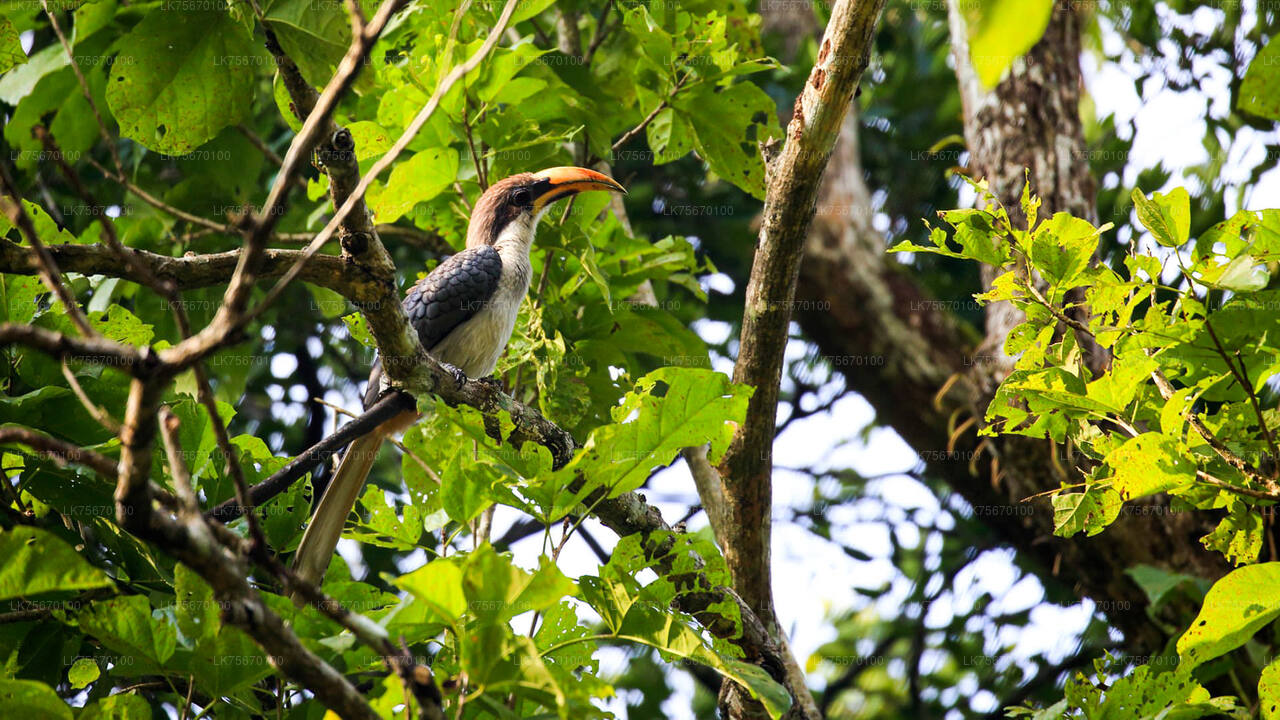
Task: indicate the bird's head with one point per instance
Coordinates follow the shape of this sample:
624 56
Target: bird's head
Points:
509 210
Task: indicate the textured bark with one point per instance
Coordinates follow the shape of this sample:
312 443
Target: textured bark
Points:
1028 130
926 373
792 184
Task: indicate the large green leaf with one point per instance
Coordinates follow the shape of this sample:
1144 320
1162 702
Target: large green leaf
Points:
18 83
181 77
315 35
1269 691
631 617
36 562
1148 464
1236 607
692 407
497 590
31 700
416 180
1088 512
127 626
728 125
438 585
1260 89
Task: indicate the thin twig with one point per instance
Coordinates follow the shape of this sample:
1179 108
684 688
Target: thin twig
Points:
48 268
59 450
84 88
1242 377
386 160
259 143
96 411
1247 492
206 223
177 468
626 137
602 31
482 176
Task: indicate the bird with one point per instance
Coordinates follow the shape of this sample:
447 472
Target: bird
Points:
464 312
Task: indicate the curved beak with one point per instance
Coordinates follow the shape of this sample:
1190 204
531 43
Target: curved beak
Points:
559 182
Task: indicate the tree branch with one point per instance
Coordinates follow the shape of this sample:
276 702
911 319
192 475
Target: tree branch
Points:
188 272
792 189
97 350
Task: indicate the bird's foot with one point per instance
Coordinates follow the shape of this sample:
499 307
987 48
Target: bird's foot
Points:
491 381
458 376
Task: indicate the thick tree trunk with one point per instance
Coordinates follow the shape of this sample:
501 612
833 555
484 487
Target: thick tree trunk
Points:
1028 130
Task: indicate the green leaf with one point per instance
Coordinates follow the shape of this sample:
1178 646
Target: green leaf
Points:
196 611
181 78
36 562
228 661
31 700
92 17
1168 217
1269 691
314 34
629 616
728 125
1144 693
370 138
1156 582
1062 248
1238 536
1000 31
1088 512
1235 608
11 54
127 626
18 83
416 180
497 590
359 329
1148 464
670 138
1260 88
47 229
464 490
438 585
123 326
18 297
1243 274
82 672
698 406
118 707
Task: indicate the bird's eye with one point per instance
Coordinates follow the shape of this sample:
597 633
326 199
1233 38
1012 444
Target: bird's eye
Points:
521 196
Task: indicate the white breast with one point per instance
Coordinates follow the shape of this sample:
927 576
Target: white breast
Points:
475 346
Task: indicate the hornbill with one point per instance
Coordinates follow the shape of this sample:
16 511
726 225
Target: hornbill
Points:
464 312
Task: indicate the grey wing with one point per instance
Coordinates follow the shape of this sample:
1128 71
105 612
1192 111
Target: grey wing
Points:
448 296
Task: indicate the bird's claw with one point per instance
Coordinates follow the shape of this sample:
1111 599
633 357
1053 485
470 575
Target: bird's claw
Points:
491 381
458 376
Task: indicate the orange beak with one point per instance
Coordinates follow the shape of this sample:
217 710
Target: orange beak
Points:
559 182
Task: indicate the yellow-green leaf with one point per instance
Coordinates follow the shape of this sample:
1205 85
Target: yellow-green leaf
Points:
1235 608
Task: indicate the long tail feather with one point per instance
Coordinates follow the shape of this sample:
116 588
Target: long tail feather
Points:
321 538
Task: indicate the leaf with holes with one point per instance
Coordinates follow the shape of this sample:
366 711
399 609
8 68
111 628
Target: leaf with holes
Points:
182 77
1236 607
